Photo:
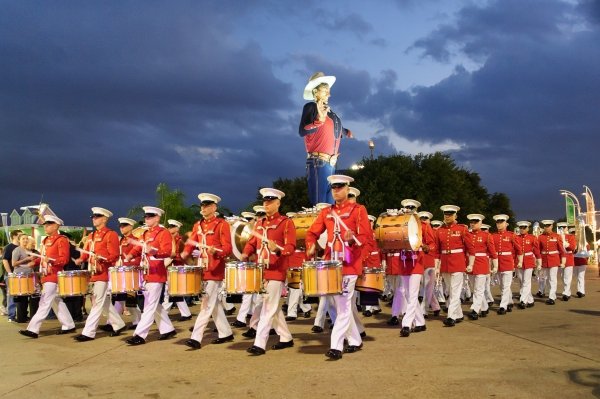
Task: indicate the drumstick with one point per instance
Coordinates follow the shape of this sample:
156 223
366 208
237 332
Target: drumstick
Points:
260 237
196 243
83 251
139 243
39 256
341 222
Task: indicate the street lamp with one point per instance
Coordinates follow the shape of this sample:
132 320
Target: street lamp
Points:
371 147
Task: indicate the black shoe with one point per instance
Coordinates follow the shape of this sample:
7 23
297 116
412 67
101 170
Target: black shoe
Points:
460 319
420 328
509 307
317 329
230 311
191 329
28 333
473 315
359 308
445 309
367 313
251 333
580 294
363 334
168 335
255 350
136 340
353 348
530 305
132 327
118 332
539 294
405 332
290 318
284 308
237 324
192 343
331 326
566 298
393 321
449 322
522 305
436 313
83 338
107 328
184 318
484 313
334 354
222 340
376 311
420 299
306 315
550 302
501 311
272 331
63 332
283 345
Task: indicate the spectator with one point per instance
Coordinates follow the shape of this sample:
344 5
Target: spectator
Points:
7 263
22 263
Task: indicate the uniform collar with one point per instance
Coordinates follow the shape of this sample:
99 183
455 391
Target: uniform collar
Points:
273 217
342 205
212 219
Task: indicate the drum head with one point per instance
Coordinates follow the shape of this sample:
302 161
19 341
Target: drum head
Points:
414 233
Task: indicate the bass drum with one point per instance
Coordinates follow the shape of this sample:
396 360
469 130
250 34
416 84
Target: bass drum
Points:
398 232
138 232
302 222
241 231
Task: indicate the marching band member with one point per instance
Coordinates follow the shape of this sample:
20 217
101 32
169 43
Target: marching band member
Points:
174 226
530 249
247 299
347 226
294 299
157 246
103 247
213 238
126 227
507 249
277 244
570 244
429 299
55 252
488 278
439 289
553 256
579 271
481 249
450 260
394 271
353 194
372 259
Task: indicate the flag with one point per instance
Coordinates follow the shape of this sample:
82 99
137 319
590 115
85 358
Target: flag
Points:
570 209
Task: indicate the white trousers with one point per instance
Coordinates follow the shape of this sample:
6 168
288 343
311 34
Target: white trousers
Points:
413 310
466 290
505 288
326 305
136 314
211 306
153 312
429 298
223 299
101 303
294 300
580 276
552 277
525 295
487 293
542 276
271 316
455 283
399 302
249 302
345 326
50 299
183 307
567 279
479 301
355 315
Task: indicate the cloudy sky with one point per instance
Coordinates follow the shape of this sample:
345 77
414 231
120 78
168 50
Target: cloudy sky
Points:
101 101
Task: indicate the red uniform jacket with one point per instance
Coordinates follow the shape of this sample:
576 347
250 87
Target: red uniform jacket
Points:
507 248
177 248
480 245
429 257
213 233
371 254
582 261
296 259
280 229
56 247
451 247
105 243
530 248
570 249
551 249
159 245
126 249
356 219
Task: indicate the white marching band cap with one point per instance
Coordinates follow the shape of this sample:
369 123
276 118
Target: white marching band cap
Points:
340 179
547 221
353 191
372 218
523 223
208 198
96 210
561 224
475 216
173 222
501 217
425 214
436 223
53 219
291 214
126 221
248 215
485 226
153 209
269 193
322 205
410 202
314 81
449 208
259 209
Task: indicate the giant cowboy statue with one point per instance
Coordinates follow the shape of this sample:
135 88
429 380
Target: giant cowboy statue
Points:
322 131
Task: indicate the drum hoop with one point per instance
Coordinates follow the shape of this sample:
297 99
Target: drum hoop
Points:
372 270
322 264
184 269
243 265
70 273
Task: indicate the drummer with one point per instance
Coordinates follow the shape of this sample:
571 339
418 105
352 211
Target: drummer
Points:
126 227
174 226
103 247
277 244
346 232
156 246
55 252
428 284
372 259
212 238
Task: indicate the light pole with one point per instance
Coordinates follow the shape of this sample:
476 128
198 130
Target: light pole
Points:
590 212
371 147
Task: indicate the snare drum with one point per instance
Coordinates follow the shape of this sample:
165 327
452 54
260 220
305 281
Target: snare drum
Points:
398 232
125 279
294 276
23 284
372 280
73 282
243 278
323 277
184 280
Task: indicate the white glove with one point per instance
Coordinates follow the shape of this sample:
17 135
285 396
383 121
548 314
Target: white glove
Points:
563 262
195 253
538 264
494 265
438 264
471 263
520 262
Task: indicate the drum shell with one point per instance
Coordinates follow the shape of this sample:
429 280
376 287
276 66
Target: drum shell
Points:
322 278
125 279
23 284
243 278
294 277
184 280
372 280
398 232
73 283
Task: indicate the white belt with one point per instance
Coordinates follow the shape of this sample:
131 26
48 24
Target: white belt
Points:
393 254
374 253
504 253
153 258
481 254
452 251
528 253
549 252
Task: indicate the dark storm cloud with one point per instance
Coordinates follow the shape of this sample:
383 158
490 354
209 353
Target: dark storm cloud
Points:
352 23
